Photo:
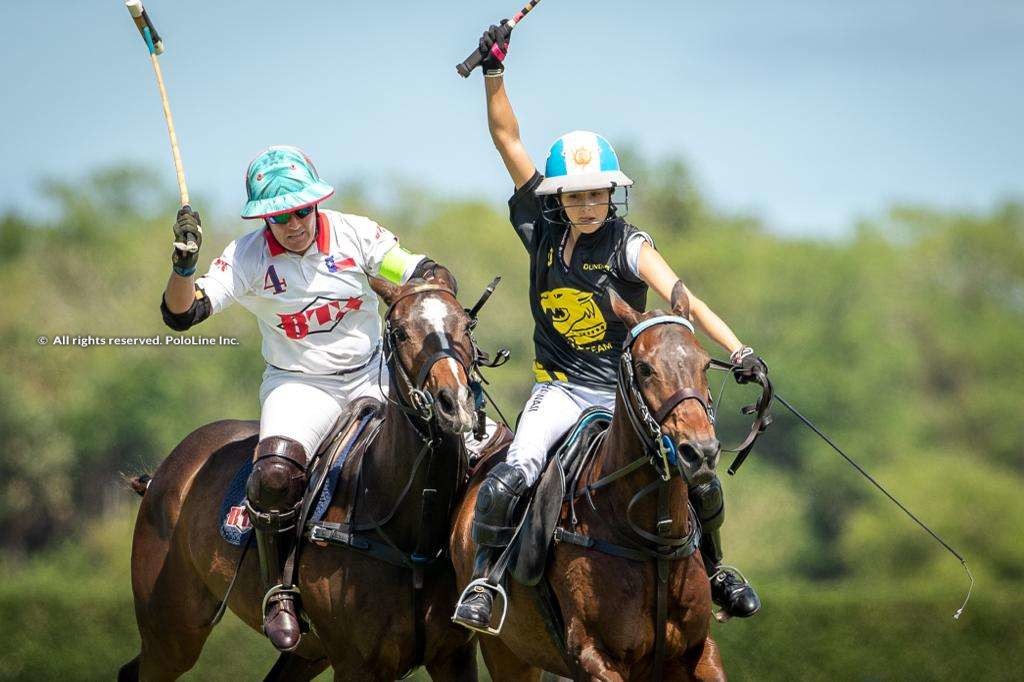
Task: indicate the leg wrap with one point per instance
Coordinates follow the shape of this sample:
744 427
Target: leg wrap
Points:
494 521
709 504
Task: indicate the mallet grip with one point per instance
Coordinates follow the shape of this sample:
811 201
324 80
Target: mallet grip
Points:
142 22
473 60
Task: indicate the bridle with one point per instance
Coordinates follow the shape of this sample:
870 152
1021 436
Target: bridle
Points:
663 452
416 400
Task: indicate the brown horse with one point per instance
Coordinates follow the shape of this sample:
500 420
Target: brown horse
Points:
368 621
608 594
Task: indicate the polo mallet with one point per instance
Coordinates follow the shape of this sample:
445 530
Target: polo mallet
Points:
473 60
156 46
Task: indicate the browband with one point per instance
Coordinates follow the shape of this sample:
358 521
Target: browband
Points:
654 321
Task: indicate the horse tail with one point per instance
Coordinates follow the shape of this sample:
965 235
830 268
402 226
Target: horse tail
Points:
140 483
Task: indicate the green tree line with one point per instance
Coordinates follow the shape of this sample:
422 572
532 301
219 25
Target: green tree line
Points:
899 338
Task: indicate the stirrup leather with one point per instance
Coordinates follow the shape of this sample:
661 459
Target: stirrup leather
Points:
482 585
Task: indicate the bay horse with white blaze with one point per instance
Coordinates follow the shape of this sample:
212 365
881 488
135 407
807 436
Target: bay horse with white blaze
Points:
368 620
624 580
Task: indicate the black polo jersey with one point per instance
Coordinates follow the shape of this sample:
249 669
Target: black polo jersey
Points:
576 336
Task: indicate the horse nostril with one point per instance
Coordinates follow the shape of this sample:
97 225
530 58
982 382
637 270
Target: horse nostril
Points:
445 402
710 450
711 447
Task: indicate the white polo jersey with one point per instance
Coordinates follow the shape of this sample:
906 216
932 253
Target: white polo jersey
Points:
316 310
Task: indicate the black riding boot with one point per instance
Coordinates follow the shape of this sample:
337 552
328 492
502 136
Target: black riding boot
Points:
494 523
728 587
274 493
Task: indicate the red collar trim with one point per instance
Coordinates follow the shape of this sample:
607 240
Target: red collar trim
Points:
323 237
323 234
272 244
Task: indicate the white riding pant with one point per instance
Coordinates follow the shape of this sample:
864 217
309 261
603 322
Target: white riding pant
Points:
553 408
304 407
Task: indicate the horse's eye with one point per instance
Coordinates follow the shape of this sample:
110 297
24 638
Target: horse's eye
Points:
401 335
644 370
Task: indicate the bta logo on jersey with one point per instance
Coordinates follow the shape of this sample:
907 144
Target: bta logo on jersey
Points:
320 316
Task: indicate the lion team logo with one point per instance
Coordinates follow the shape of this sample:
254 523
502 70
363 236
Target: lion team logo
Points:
574 315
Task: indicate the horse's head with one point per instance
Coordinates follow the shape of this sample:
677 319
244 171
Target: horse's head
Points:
427 336
664 383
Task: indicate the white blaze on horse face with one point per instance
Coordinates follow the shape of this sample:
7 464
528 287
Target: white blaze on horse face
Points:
434 311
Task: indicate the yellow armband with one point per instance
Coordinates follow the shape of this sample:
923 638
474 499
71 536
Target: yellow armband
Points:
398 264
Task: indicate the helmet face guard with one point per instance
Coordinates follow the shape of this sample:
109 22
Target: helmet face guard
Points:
553 206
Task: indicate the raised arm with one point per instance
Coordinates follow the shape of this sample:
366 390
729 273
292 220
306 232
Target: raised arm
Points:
504 127
501 120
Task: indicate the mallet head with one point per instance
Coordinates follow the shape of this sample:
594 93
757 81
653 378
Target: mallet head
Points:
142 22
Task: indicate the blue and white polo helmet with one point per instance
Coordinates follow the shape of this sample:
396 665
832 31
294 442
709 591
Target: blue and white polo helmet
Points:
580 161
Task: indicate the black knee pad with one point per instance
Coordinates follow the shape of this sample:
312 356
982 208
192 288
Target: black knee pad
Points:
709 504
278 478
493 522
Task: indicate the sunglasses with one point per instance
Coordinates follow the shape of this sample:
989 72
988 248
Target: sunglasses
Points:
283 218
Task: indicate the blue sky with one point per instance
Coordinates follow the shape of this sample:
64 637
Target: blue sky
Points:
811 114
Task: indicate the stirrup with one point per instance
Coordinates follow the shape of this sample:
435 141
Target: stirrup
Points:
482 585
273 592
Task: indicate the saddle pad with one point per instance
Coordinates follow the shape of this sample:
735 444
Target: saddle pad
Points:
235 524
331 484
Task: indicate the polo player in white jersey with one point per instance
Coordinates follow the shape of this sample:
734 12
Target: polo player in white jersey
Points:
303 273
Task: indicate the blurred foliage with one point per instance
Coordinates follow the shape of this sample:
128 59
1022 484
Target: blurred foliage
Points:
58 628
900 339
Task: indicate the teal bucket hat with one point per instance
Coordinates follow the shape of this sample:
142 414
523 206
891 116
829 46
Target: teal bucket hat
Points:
282 179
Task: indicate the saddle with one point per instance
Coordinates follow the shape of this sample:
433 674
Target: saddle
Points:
352 433
566 461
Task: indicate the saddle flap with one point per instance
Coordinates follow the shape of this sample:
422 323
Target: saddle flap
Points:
529 560
530 552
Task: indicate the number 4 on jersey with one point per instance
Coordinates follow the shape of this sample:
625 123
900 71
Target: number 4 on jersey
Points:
271 281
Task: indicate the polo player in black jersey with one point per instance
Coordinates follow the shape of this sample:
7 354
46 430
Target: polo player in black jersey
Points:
580 249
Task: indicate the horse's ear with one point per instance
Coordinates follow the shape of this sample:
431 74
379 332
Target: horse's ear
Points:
385 289
680 300
625 312
441 276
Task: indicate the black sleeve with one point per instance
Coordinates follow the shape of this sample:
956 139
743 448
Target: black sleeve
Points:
199 311
526 212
